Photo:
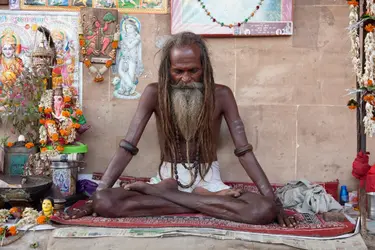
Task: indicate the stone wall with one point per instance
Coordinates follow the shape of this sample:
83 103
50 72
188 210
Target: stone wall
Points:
290 92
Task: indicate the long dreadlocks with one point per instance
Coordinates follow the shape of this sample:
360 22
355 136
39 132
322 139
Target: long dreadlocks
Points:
204 138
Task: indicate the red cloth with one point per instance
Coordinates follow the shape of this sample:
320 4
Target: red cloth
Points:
361 167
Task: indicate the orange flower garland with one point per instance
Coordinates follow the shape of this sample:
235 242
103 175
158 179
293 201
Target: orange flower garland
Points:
87 62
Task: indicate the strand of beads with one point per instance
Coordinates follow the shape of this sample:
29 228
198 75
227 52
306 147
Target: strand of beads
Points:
252 14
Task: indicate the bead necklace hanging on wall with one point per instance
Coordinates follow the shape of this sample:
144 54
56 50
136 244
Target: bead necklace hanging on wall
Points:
252 14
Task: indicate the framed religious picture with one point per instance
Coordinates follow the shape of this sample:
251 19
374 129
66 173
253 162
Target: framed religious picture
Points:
123 6
18 30
143 6
232 18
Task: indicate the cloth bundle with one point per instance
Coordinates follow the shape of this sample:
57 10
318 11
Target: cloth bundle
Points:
306 197
361 167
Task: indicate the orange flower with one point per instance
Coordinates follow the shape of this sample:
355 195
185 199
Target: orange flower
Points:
79 112
55 137
108 63
369 83
368 98
42 142
40 109
48 110
353 2
67 99
115 44
76 125
10 144
352 107
81 42
41 219
60 148
66 113
42 121
29 145
1 230
50 122
63 132
12 230
369 27
13 210
43 149
87 62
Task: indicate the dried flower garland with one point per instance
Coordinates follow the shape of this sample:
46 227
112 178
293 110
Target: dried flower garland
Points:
59 131
354 38
365 80
28 216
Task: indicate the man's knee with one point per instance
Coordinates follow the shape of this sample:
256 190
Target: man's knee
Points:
267 212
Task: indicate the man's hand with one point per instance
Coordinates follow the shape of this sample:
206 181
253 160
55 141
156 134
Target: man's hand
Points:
85 210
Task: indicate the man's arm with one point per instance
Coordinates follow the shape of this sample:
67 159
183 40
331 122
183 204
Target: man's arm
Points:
121 159
237 131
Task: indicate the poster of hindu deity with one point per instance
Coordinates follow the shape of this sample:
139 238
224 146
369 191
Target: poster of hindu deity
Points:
123 6
232 18
17 39
99 27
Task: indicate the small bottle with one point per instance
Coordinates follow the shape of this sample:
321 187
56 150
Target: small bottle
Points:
344 195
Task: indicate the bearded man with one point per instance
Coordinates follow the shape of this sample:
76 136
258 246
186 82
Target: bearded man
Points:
189 108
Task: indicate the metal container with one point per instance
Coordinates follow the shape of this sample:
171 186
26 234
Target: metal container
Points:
65 176
15 159
371 205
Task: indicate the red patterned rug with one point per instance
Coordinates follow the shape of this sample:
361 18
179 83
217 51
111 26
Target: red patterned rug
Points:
309 225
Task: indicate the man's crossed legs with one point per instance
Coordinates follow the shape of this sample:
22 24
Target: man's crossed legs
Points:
164 198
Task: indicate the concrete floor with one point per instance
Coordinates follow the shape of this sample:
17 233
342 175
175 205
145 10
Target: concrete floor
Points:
182 243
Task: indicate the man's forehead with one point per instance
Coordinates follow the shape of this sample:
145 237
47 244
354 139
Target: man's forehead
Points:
187 53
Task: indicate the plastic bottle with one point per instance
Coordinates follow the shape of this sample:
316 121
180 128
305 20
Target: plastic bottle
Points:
344 195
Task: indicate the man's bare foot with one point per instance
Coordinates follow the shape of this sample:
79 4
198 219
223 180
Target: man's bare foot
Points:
236 192
152 189
227 192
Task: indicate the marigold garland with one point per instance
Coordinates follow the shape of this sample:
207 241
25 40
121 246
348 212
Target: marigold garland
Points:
87 62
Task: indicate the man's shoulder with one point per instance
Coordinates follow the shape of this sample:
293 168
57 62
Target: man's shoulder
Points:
222 90
150 95
151 88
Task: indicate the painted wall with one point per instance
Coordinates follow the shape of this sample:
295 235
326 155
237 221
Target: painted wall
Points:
290 92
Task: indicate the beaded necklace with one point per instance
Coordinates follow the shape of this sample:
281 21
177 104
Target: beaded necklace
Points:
194 167
234 24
